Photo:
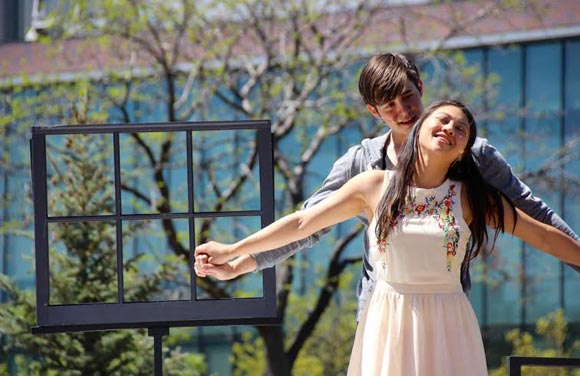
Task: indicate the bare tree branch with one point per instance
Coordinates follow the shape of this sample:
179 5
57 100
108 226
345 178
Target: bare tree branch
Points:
331 284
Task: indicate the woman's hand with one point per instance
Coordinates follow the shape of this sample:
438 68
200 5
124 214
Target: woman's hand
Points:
229 270
217 253
222 272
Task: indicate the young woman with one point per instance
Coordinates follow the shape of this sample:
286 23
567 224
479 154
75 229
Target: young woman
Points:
427 219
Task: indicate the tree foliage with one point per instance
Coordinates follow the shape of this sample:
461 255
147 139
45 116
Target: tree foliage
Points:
294 62
550 340
81 272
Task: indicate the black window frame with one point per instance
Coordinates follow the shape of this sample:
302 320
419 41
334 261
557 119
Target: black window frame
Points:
126 315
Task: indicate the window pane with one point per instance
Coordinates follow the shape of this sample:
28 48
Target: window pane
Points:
229 230
504 266
153 172
225 166
155 261
571 201
80 175
82 263
542 140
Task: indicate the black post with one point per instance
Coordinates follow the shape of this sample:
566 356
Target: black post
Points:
157 334
514 366
515 363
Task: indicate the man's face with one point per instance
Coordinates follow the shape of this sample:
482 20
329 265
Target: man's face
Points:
402 112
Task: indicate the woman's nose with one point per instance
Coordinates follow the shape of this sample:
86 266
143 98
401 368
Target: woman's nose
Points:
448 127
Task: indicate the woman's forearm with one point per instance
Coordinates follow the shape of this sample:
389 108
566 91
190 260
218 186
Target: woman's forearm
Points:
349 201
560 245
285 230
547 238
243 265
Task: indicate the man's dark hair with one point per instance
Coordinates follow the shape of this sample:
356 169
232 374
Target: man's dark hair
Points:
384 77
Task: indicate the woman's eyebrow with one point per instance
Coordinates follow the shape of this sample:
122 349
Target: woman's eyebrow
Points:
457 121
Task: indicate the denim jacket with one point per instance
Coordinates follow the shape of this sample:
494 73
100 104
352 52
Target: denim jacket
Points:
369 155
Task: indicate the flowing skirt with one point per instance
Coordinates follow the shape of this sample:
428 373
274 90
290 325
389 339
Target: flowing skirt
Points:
418 330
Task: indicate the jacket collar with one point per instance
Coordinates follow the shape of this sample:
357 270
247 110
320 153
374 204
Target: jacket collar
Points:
376 149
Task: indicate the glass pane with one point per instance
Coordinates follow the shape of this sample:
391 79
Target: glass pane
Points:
80 175
82 263
16 246
228 230
153 172
471 66
543 129
155 260
225 171
571 201
505 101
504 267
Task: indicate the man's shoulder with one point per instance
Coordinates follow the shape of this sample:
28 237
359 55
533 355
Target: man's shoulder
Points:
363 156
375 142
481 147
374 146
490 161
369 147
479 141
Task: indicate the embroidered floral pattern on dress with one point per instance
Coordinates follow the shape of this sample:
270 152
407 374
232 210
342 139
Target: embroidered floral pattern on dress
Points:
441 211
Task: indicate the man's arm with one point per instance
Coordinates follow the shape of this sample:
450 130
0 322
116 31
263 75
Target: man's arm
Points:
347 166
497 172
355 197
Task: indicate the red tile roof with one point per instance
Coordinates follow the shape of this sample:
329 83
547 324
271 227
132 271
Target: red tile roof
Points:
421 23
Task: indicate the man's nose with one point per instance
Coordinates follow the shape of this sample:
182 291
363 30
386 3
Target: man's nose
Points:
402 106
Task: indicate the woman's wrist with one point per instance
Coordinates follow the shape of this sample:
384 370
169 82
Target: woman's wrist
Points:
243 265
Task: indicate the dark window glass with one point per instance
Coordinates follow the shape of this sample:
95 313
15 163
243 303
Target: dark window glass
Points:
503 288
571 201
540 143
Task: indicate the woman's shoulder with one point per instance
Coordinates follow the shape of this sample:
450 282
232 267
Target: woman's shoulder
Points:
374 176
369 181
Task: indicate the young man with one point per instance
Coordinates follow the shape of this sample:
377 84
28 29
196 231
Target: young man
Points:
391 88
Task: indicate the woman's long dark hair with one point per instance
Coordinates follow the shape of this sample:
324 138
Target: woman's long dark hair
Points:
484 200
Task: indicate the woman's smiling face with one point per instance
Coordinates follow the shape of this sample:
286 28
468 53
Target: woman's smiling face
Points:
445 132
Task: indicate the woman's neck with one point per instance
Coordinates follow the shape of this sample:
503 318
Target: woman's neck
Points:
429 172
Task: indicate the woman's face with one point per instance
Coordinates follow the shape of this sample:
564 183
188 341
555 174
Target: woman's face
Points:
445 132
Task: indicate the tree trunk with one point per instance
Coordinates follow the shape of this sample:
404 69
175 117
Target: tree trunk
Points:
277 360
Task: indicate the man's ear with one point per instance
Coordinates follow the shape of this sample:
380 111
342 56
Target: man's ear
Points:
373 111
420 86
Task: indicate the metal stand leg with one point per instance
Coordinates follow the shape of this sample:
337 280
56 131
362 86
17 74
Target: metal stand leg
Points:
157 334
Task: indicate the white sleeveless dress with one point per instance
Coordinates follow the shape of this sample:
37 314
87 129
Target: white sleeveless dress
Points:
418 321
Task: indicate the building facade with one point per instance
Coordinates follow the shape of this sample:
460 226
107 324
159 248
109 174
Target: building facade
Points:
536 126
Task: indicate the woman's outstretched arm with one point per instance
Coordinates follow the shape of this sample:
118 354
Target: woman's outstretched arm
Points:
541 236
349 201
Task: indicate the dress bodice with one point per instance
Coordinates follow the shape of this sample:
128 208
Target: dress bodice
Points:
429 240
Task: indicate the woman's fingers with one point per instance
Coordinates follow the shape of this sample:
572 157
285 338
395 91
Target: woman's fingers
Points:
199 262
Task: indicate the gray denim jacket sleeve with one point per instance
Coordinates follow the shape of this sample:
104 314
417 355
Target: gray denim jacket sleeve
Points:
343 169
498 173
